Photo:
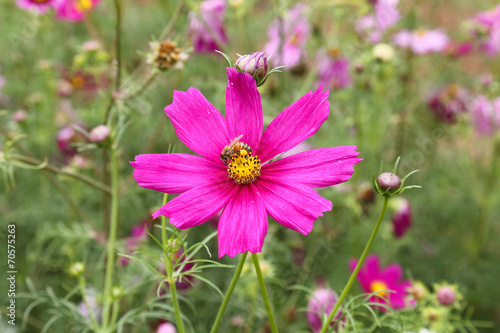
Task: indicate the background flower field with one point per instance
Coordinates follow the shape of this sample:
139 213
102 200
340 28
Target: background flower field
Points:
415 80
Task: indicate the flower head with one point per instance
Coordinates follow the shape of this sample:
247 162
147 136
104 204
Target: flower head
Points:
321 303
333 69
448 102
167 55
166 328
401 220
384 16
373 278
235 171
288 37
253 64
485 115
206 28
75 10
446 295
486 28
421 41
37 6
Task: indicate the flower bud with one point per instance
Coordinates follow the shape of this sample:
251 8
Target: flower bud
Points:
117 292
99 134
388 181
418 291
19 116
77 269
254 64
320 304
166 328
446 295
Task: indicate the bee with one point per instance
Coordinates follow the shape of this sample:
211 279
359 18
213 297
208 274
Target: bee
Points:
235 148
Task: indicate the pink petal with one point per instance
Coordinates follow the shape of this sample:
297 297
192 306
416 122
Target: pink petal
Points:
294 124
243 108
243 223
316 168
176 173
197 205
392 273
293 205
198 124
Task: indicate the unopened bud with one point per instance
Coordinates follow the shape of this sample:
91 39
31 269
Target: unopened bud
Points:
77 269
388 182
99 134
254 64
383 52
446 295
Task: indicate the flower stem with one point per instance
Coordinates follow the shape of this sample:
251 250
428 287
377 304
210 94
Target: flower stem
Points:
81 283
354 274
267 302
229 292
168 266
108 282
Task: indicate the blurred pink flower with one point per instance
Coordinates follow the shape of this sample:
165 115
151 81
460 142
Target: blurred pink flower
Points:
333 69
206 28
138 235
66 138
288 37
486 27
247 190
75 10
458 49
401 220
373 26
320 304
448 102
38 6
421 41
485 115
166 328
373 278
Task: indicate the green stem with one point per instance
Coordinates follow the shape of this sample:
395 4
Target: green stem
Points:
168 267
81 283
267 302
229 292
108 282
354 274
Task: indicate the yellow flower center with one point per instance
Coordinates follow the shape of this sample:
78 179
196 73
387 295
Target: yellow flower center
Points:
77 81
377 286
83 5
421 32
243 168
334 52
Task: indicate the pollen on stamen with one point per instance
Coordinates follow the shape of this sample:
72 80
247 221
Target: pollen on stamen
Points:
244 168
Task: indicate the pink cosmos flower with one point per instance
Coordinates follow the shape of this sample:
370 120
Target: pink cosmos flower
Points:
448 102
75 10
206 28
401 220
251 186
373 26
486 27
333 69
288 37
37 6
66 138
320 304
372 279
138 235
485 115
421 41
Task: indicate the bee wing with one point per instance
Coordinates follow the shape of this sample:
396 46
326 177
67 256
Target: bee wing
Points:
235 140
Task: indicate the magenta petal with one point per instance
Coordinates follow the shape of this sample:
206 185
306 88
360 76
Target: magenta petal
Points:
243 108
176 173
293 205
392 273
243 223
197 205
198 124
316 168
293 125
